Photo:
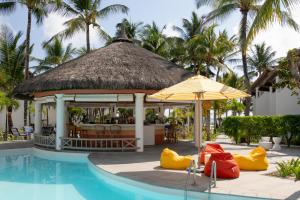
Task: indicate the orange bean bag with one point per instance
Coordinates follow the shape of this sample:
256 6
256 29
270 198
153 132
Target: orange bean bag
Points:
209 149
227 168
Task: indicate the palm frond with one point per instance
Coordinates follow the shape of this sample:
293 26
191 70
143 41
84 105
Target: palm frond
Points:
8 7
112 9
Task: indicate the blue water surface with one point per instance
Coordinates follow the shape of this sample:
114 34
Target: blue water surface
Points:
26 176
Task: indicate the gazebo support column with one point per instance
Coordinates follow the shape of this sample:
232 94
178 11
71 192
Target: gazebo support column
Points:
139 120
161 110
37 118
60 120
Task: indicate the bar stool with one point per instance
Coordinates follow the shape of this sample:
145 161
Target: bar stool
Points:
115 131
101 132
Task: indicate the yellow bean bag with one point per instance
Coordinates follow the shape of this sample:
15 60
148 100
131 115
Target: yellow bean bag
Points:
256 160
171 160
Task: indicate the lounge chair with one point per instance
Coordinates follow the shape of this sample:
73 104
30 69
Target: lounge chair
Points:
15 132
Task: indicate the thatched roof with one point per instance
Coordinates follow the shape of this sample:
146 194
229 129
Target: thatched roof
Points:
120 65
265 80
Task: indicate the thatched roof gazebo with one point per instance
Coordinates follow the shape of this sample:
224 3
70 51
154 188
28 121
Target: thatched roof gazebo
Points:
120 66
119 72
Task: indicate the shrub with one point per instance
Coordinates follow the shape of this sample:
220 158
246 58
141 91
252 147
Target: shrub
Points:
284 168
297 172
254 127
231 127
289 168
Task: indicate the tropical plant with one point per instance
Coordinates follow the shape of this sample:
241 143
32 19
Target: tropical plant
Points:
12 58
226 51
289 72
130 29
297 172
235 106
284 168
193 27
56 54
270 12
37 8
270 126
264 15
176 50
153 39
261 57
84 15
232 79
289 168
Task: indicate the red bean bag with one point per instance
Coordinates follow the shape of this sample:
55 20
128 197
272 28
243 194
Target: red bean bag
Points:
226 166
209 149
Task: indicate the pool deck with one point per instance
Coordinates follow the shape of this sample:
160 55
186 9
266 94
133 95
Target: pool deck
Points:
18 144
144 167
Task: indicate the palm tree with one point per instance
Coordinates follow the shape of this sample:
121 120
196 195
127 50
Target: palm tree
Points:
270 11
56 54
273 11
153 39
184 49
12 59
130 29
192 27
261 57
37 8
85 14
176 50
226 51
212 50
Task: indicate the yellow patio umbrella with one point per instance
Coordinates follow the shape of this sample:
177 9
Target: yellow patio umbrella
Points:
198 89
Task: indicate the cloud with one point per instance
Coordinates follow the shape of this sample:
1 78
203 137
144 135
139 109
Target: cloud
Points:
54 24
169 31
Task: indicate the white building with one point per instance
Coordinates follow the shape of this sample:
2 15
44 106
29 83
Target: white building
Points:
18 116
268 100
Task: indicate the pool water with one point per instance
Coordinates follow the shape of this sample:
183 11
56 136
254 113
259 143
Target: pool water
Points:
29 176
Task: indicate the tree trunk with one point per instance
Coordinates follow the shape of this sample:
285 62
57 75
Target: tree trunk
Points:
8 122
6 126
218 74
88 48
27 55
243 41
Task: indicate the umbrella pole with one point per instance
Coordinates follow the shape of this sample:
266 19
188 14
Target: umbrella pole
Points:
200 125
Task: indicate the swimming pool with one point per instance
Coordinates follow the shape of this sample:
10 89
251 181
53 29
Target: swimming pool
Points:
31 174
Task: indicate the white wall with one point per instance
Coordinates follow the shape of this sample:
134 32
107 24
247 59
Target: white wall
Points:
17 116
18 119
287 104
277 103
261 104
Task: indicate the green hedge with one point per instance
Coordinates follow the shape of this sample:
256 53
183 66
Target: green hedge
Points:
252 128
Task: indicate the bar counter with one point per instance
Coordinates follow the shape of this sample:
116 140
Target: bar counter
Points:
153 133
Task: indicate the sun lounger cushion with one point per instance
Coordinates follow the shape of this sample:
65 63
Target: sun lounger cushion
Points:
209 149
227 168
171 160
256 160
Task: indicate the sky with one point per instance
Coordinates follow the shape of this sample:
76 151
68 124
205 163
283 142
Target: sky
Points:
163 12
